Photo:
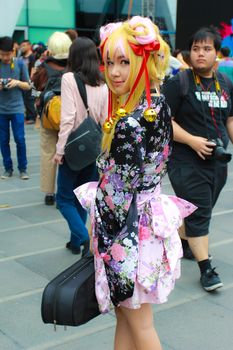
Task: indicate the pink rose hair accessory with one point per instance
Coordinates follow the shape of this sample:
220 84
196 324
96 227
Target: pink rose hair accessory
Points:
145 29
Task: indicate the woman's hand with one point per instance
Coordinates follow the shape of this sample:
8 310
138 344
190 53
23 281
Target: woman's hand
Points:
57 159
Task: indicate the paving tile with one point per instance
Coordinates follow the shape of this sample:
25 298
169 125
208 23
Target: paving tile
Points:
29 330
31 239
15 279
196 325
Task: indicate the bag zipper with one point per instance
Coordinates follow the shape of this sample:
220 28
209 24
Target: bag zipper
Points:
78 137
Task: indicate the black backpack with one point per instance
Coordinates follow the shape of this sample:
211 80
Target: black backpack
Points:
184 81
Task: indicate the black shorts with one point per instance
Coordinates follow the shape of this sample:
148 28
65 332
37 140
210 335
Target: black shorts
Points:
200 186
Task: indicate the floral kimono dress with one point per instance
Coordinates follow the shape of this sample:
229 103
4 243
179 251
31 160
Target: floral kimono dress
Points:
136 244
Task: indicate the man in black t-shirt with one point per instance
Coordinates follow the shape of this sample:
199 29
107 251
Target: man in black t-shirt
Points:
201 103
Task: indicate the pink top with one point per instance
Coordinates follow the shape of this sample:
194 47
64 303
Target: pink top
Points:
73 111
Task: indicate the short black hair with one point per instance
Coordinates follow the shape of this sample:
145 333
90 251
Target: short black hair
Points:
6 43
26 41
225 51
206 33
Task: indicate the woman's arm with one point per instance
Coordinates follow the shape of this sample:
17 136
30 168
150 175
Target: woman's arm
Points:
68 113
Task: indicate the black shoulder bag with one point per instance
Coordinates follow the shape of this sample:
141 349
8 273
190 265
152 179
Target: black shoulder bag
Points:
84 144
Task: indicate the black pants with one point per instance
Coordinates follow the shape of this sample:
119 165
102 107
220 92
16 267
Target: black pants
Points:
200 186
29 102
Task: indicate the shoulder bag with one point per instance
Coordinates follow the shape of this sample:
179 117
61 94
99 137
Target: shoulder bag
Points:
84 144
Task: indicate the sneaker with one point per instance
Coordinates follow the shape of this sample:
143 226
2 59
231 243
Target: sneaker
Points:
23 175
7 174
74 250
29 122
210 280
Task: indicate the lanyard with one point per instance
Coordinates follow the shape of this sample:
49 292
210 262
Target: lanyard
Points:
201 88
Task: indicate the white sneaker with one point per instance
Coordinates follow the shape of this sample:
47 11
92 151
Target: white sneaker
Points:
23 175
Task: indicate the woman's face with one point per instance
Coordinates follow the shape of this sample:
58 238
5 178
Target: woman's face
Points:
118 70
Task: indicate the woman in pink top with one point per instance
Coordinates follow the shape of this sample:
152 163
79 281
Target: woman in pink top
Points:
83 59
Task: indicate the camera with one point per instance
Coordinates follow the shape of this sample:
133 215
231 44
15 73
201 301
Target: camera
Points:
4 82
219 152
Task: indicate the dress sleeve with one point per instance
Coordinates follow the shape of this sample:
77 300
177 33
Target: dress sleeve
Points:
119 182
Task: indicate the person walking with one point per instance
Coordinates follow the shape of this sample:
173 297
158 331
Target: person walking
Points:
202 125
14 80
53 67
29 101
82 60
134 227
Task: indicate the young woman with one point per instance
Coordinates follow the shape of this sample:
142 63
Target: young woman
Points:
82 59
134 227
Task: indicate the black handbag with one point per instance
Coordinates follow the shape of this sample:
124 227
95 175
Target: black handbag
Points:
84 144
69 299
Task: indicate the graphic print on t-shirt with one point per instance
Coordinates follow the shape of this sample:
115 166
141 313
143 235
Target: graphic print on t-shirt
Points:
212 98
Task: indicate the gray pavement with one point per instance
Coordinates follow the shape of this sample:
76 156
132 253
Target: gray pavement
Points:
32 240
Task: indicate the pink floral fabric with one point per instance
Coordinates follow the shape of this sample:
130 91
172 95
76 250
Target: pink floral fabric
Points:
136 244
160 248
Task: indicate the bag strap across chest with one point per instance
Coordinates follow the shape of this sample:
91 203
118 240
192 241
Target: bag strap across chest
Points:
82 90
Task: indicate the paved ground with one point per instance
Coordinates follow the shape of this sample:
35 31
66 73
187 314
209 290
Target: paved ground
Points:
32 239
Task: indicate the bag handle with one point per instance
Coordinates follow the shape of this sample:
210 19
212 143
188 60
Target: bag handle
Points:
82 90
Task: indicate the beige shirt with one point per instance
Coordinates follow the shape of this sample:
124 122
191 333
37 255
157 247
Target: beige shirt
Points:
73 111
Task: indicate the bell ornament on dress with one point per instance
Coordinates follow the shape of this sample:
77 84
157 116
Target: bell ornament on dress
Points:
150 115
121 112
107 127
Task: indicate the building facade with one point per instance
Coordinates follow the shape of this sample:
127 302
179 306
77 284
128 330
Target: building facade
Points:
38 19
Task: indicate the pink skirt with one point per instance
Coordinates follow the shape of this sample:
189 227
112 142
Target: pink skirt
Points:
160 247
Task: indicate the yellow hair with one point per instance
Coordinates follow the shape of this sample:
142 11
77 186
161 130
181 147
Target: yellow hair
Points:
157 64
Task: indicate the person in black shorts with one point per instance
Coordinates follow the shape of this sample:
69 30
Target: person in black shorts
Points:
201 103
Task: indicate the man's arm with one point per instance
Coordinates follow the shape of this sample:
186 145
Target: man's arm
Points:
199 144
24 85
229 126
13 83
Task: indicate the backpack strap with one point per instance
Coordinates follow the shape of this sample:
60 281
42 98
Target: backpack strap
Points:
224 77
52 72
82 89
184 82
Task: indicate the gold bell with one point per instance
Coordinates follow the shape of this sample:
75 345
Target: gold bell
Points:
107 127
150 115
121 112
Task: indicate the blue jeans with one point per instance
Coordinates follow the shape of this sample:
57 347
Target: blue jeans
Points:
67 202
17 125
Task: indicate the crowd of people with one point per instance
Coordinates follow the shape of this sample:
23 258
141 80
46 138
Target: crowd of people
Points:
160 113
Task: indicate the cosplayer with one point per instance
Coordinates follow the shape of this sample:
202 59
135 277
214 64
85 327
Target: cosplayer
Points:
134 227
